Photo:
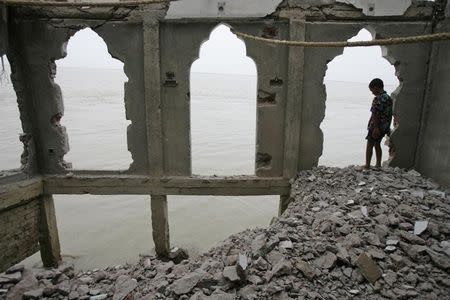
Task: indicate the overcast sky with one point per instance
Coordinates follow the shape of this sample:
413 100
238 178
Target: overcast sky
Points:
225 53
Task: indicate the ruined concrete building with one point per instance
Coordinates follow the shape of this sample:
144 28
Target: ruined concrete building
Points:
147 36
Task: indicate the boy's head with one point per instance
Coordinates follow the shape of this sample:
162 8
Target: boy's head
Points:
376 86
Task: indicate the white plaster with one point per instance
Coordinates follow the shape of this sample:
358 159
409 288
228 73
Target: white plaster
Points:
231 8
380 7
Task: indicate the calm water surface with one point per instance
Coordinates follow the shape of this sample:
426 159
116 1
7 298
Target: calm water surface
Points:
105 230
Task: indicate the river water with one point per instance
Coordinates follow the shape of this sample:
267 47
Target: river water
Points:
96 231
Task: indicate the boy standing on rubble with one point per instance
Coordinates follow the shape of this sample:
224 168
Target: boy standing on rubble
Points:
380 121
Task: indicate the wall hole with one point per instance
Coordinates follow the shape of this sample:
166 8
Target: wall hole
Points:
223 107
10 125
349 100
92 83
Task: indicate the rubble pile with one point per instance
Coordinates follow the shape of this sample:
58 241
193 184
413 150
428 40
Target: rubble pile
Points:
348 233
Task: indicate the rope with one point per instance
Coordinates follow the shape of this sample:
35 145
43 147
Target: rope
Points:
122 3
380 42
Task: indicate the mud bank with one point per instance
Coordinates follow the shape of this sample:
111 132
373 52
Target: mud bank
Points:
348 233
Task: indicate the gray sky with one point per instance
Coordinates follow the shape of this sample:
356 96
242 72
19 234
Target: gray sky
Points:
225 53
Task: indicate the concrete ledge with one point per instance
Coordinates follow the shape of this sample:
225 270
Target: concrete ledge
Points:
13 194
102 184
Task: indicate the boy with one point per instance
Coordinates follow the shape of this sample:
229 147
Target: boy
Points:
380 121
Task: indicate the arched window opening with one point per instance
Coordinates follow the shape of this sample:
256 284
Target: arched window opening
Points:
349 100
92 84
223 107
10 126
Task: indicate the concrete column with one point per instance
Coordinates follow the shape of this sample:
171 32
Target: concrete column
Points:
160 225
294 100
48 232
284 202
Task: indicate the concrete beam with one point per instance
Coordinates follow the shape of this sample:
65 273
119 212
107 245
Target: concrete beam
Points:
12 194
179 185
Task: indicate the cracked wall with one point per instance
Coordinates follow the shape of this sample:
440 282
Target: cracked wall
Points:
433 159
36 44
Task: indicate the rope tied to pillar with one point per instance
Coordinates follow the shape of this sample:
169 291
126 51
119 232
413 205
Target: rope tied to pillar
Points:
377 42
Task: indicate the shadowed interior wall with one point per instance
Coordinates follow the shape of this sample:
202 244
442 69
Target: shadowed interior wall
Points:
433 155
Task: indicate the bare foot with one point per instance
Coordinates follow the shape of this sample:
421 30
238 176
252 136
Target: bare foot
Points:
366 167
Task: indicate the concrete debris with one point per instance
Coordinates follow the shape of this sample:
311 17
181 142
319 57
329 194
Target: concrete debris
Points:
335 251
420 227
368 268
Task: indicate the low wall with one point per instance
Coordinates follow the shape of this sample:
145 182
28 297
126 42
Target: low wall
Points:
19 231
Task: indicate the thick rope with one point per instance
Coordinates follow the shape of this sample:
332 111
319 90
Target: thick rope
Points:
380 42
123 3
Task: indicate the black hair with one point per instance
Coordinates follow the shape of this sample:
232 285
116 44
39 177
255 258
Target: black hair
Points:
377 82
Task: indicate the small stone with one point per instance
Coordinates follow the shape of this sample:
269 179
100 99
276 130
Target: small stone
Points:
255 279
123 287
185 284
439 260
354 292
73 295
411 238
15 268
368 268
177 255
361 183
10 278
437 193
283 267
307 269
231 274
63 288
391 242
390 249
33 294
364 211
286 245
418 193
99 297
259 245
94 292
261 264
390 277
82 290
420 227
326 261
99 276
242 262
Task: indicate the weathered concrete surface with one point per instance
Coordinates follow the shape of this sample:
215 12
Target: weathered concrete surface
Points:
272 92
433 154
220 8
314 95
120 38
33 49
410 62
380 7
48 232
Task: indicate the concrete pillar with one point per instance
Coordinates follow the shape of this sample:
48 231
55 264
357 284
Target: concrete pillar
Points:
160 225
284 202
48 232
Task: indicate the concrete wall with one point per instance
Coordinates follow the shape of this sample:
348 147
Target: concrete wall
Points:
19 233
33 48
3 31
433 155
